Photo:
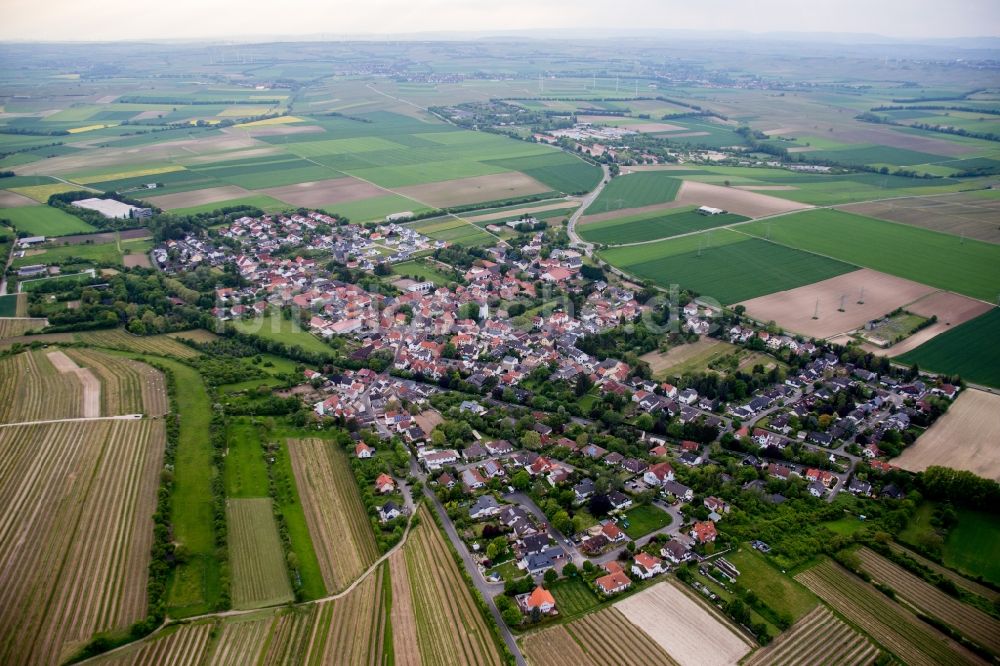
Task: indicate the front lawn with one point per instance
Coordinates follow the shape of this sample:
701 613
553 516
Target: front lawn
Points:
644 519
777 590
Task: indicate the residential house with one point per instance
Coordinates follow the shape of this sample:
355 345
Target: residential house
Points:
472 479
389 511
704 532
484 507
540 598
646 566
384 484
675 551
362 450
659 474
678 490
613 583
613 533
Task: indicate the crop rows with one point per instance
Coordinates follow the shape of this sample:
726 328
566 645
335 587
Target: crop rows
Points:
404 626
127 386
31 389
970 621
75 536
259 574
289 635
11 328
338 522
611 639
184 647
554 647
241 641
351 629
818 638
888 623
153 344
450 629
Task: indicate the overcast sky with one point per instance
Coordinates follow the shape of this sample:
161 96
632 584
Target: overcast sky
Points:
182 19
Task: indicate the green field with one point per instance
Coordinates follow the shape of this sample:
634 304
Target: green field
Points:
245 474
8 305
782 593
969 350
100 253
262 201
635 190
454 230
44 221
724 265
375 208
973 544
275 327
560 171
641 228
644 519
423 270
196 584
877 155
573 597
940 260
255 554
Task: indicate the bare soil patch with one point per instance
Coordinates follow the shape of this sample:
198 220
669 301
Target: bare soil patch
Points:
765 188
277 130
687 630
742 202
325 192
428 420
91 385
13 200
961 214
950 309
140 260
522 211
628 212
794 309
493 187
199 197
886 136
104 237
966 437
147 115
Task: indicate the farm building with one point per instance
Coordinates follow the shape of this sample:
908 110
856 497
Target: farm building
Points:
398 217
708 210
31 240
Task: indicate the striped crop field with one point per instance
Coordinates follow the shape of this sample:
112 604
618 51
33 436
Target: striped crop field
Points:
608 637
75 533
347 631
127 386
185 646
32 389
554 646
260 577
161 345
895 628
11 328
450 629
338 523
970 622
819 637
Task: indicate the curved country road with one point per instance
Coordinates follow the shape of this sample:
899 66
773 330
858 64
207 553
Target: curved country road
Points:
584 203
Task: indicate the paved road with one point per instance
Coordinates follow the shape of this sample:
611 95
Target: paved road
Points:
588 248
673 529
529 505
487 590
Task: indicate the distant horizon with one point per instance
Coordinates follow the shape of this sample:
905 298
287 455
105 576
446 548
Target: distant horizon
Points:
583 34
200 21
